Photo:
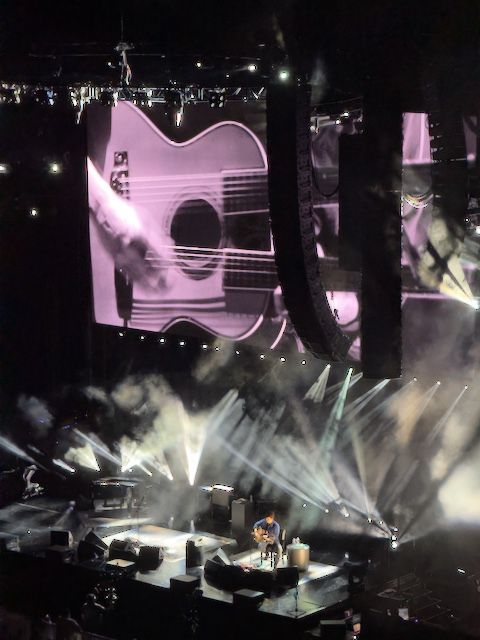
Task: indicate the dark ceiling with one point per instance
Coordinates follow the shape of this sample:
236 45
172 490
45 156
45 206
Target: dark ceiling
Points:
347 43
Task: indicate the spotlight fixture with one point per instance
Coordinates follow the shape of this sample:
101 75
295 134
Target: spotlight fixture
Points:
162 340
415 379
182 343
282 359
477 230
283 75
369 520
262 356
327 510
198 64
4 169
204 346
217 348
252 67
304 505
438 382
121 334
304 362
217 99
142 337
461 570
34 212
329 365
237 352
393 544
54 167
466 386
338 121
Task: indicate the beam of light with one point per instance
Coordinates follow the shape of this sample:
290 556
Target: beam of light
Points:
355 407
131 456
158 461
329 437
367 420
316 393
196 430
272 477
330 392
99 448
63 465
12 448
84 456
438 427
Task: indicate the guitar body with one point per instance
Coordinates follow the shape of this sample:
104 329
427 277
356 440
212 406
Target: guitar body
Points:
183 196
261 535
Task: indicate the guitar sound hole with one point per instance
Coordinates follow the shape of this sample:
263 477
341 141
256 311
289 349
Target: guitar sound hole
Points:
196 228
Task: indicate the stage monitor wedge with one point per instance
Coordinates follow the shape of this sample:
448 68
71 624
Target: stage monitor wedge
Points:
291 213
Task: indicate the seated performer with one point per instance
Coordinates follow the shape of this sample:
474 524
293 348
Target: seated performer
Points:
267 533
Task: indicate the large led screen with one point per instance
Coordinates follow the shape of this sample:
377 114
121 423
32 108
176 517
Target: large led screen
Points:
179 224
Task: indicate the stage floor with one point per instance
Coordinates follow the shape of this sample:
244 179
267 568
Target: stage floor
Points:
321 587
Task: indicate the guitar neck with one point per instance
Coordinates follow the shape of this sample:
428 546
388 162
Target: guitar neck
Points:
251 271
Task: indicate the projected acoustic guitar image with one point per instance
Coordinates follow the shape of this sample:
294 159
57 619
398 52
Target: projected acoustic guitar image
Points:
180 232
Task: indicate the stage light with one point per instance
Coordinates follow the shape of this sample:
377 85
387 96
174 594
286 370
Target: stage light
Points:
142 337
4 168
204 346
370 520
283 75
328 366
237 352
380 522
327 510
338 121
121 334
461 570
282 359
466 386
262 356
346 114
415 379
217 348
394 544
304 362
477 230
475 304
438 382
252 67
182 343
198 64
162 340
55 167
217 99
304 505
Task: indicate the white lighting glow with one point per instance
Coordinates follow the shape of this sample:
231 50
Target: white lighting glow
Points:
252 67
161 340
142 337
304 362
477 230
54 167
34 212
262 356
282 359
394 544
121 334
4 168
204 346
182 343
283 75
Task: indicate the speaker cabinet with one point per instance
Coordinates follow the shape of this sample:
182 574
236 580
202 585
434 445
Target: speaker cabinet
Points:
61 538
149 558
